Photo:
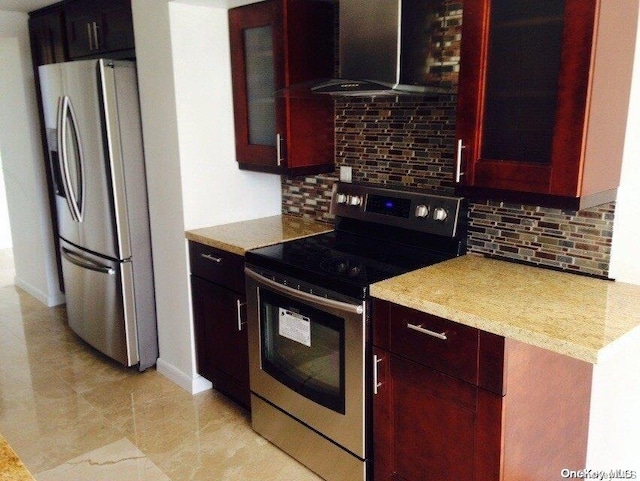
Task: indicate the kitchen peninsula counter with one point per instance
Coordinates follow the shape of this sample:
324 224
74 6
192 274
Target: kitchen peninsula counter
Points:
565 313
239 237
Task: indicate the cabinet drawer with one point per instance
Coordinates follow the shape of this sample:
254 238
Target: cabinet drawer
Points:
221 267
443 345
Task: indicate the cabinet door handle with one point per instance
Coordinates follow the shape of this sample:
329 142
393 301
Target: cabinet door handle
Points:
376 383
459 172
96 41
279 139
239 310
210 257
90 35
439 335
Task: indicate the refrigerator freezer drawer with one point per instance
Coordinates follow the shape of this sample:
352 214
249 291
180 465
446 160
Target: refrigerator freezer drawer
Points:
100 303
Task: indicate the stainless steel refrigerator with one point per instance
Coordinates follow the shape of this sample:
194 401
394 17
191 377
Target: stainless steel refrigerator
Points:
92 118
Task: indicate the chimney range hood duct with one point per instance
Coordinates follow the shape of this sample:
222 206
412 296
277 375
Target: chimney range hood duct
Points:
392 47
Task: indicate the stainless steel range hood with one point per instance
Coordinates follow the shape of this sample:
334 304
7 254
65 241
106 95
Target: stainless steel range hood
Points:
391 47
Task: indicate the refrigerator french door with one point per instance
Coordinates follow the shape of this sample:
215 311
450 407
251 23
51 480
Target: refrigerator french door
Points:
92 119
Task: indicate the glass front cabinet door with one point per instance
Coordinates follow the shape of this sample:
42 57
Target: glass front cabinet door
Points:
541 118
278 47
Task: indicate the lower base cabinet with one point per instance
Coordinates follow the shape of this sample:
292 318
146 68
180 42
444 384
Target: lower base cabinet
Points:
427 424
496 410
219 315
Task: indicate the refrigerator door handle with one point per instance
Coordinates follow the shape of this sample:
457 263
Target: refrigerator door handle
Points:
81 261
61 163
114 155
74 199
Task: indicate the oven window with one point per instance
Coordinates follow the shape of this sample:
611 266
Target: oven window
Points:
303 348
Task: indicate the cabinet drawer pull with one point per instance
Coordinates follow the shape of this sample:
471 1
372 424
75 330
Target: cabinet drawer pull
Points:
439 335
210 257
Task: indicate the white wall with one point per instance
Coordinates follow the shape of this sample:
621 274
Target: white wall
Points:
23 165
614 430
5 226
184 75
214 190
625 261
162 157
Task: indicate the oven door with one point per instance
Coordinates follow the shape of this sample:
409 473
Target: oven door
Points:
306 357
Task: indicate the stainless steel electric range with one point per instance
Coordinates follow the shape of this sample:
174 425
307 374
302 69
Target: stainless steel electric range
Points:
309 313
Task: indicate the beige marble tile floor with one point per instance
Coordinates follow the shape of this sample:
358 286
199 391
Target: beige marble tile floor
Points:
7 271
73 415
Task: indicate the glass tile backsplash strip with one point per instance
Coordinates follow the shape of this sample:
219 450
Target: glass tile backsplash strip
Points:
409 142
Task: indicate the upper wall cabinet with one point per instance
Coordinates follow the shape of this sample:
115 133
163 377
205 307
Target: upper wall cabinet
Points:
96 27
46 30
543 100
277 46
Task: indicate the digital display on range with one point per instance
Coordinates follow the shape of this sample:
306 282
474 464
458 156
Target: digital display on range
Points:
393 206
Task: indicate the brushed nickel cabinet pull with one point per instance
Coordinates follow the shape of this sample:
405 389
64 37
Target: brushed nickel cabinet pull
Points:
279 149
459 172
90 35
239 310
439 335
376 383
96 40
209 257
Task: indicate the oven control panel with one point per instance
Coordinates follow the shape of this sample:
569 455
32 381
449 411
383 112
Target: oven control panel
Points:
433 213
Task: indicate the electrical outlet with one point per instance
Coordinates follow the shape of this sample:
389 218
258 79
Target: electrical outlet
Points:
345 174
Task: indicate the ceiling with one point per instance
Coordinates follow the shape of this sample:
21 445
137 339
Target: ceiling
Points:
24 5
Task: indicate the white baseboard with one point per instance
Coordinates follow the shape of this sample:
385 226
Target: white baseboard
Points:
48 300
194 385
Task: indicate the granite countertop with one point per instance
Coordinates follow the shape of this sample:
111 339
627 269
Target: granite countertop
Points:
239 237
11 468
566 313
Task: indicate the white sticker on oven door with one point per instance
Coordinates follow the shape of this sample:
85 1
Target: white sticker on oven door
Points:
295 327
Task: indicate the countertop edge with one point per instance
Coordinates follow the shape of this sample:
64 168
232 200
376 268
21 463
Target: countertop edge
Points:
577 316
215 243
493 326
210 236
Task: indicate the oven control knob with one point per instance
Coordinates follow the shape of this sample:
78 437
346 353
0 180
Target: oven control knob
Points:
422 211
440 214
341 198
355 200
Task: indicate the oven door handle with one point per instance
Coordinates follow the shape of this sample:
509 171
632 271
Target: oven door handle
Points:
304 296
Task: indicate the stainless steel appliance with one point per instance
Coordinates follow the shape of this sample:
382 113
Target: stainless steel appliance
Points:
309 313
92 119
391 47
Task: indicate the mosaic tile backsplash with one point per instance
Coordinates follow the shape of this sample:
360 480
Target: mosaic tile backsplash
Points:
409 142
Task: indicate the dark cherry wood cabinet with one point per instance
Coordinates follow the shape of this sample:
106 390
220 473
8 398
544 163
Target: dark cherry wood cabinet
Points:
96 27
277 48
541 116
219 314
47 35
452 402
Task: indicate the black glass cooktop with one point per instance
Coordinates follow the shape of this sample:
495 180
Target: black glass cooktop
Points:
343 262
